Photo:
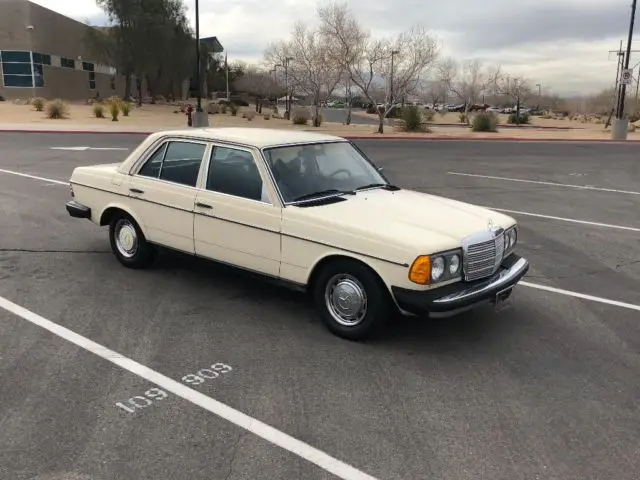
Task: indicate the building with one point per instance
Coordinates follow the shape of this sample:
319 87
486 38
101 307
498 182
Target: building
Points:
45 54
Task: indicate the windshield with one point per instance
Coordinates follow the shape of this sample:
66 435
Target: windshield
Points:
304 170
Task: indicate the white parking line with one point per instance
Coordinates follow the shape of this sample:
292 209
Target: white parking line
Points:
583 296
563 219
539 182
33 177
272 435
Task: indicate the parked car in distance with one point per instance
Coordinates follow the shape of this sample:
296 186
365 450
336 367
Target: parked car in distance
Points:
309 210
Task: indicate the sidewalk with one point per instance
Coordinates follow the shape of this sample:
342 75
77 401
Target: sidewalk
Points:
153 118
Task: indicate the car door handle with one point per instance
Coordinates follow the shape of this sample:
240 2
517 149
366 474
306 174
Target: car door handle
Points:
136 190
203 205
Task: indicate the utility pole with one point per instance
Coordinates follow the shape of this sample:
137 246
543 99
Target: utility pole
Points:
627 58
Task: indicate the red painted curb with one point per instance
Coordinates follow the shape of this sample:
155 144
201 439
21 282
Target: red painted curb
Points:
74 132
357 137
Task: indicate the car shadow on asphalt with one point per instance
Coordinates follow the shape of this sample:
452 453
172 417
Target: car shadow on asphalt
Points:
462 331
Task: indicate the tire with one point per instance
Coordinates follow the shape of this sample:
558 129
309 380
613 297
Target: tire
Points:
130 247
355 279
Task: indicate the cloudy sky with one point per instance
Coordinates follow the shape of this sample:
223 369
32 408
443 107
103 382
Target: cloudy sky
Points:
562 44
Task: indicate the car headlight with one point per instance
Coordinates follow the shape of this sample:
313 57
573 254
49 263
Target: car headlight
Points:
437 268
510 240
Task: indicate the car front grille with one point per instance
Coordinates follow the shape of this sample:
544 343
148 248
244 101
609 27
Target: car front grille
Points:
483 259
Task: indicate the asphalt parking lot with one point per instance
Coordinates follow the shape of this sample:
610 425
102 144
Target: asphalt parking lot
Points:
546 390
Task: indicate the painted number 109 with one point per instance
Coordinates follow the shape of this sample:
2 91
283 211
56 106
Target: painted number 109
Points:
139 402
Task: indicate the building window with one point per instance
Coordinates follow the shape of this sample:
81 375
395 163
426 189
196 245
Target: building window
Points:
17 69
67 63
92 80
88 67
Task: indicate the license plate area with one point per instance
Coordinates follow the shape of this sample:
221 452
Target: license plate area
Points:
503 299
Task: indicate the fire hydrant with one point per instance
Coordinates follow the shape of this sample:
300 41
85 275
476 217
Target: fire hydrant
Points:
189 115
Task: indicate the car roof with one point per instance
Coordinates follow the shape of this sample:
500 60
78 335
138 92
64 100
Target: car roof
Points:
254 137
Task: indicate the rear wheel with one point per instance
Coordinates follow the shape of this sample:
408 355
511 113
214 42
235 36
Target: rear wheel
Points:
351 300
128 243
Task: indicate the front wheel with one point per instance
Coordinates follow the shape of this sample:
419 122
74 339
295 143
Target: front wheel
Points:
352 301
128 243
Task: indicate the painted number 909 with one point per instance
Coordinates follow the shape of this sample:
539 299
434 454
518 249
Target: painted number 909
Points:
155 394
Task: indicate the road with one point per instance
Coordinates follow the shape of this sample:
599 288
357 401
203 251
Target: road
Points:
548 389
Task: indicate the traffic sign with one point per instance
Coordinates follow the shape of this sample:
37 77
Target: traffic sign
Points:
627 76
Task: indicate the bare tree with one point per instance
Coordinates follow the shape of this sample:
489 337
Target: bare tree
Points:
469 81
403 60
517 89
258 83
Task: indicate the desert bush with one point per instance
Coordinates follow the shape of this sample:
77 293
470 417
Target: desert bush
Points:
632 127
223 108
38 104
126 108
484 122
524 118
429 115
371 109
300 116
412 120
114 110
634 117
160 99
234 109
213 108
267 116
462 118
98 110
57 109
249 115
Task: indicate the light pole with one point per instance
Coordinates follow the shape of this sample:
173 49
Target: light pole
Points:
200 118
287 101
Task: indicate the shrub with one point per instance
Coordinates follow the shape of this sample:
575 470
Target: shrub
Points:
223 108
234 109
632 127
429 115
634 117
462 118
98 110
267 116
371 109
485 122
412 120
524 118
114 110
38 104
250 115
300 116
126 108
57 109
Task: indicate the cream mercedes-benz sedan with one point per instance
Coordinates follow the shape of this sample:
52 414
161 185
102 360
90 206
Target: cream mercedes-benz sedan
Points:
309 210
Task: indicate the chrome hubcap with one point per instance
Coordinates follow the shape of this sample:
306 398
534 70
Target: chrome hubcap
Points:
126 238
346 299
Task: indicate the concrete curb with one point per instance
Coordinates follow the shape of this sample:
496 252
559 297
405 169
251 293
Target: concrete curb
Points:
373 137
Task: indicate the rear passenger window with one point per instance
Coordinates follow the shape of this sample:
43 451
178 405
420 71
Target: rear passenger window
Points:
181 163
234 172
152 167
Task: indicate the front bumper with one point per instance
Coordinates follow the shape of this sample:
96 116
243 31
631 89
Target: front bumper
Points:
458 297
77 210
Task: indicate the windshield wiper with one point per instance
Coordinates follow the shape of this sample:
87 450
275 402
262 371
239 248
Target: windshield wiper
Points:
323 193
387 186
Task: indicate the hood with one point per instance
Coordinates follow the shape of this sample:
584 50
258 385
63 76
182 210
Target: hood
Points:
406 217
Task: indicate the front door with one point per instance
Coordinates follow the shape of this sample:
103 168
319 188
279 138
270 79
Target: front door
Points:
237 220
164 190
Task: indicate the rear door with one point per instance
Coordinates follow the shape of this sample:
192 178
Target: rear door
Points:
164 190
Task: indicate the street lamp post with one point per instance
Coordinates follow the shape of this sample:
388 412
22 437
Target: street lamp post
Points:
200 118
539 94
